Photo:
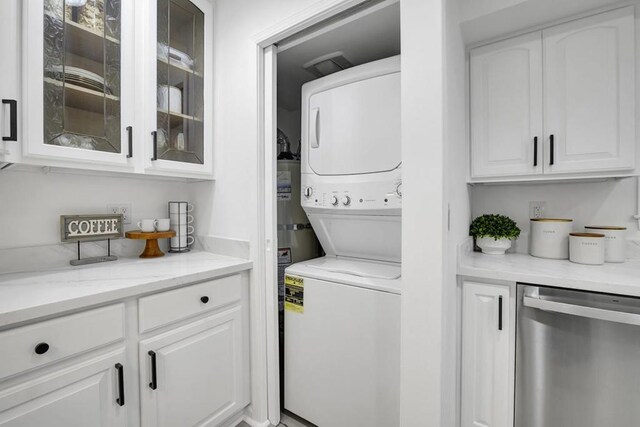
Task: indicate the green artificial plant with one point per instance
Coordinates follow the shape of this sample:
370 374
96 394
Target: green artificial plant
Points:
493 225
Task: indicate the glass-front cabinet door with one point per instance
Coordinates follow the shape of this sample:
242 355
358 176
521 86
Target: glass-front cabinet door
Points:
79 66
180 131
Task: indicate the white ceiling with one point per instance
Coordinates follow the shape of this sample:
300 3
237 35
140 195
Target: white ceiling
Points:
370 37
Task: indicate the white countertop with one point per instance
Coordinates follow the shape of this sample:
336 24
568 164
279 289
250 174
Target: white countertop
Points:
623 278
27 296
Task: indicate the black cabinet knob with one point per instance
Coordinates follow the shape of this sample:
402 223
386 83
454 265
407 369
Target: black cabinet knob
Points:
42 348
204 299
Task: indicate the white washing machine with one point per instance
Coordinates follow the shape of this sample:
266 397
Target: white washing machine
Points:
342 311
342 343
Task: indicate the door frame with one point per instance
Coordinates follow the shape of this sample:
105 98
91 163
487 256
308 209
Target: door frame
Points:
265 273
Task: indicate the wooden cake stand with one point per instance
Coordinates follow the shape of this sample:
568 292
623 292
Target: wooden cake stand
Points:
151 249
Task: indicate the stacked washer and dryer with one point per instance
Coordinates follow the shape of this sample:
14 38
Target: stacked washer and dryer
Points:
342 316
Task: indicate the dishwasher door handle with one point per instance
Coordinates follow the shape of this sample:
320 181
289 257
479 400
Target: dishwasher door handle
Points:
582 311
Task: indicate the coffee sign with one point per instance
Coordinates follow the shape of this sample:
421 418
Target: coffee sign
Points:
84 228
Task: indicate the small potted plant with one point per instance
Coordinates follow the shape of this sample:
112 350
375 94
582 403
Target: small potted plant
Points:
494 233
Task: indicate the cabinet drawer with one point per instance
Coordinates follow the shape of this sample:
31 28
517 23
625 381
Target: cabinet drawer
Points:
59 338
171 306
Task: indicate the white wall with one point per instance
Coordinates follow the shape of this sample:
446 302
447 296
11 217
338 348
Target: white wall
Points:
31 202
457 198
229 204
588 203
423 214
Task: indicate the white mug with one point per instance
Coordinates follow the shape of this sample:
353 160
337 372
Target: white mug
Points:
147 225
181 219
181 242
175 208
184 229
163 224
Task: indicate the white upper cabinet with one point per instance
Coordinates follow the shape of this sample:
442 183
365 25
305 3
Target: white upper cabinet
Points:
79 74
488 355
177 118
590 94
10 69
557 102
506 107
111 85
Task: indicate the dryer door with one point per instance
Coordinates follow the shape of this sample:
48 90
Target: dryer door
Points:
355 128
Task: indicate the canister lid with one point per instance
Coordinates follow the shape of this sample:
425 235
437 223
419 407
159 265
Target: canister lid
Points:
551 220
605 227
597 235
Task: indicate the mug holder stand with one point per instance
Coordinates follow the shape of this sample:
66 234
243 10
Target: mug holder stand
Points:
179 249
95 259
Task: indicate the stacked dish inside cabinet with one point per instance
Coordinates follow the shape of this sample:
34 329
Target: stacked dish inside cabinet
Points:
82 74
180 77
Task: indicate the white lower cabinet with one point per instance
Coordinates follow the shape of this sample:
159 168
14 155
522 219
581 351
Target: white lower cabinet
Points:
86 394
193 375
97 367
488 354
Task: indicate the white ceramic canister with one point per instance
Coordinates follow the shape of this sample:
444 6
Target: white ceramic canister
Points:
586 248
615 244
549 238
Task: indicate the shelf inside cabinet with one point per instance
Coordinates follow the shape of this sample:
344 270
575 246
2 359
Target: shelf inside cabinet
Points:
83 98
175 119
179 67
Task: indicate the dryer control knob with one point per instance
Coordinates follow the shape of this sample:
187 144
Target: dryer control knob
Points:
346 200
308 191
334 200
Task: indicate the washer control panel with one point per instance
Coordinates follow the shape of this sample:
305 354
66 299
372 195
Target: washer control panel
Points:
352 196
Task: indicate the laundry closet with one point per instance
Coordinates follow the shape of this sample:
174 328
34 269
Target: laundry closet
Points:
339 194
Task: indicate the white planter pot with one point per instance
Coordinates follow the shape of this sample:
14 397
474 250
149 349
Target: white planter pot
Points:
491 246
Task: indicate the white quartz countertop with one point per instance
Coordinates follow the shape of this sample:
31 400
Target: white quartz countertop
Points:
623 278
27 296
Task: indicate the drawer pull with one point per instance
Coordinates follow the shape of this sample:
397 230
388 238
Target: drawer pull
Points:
42 348
120 399
154 379
204 299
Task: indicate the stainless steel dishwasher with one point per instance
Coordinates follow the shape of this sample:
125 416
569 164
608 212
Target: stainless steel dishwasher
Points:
577 359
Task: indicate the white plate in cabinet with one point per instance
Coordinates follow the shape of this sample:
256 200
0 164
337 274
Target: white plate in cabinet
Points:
589 108
193 375
488 355
506 107
171 306
42 343
79 396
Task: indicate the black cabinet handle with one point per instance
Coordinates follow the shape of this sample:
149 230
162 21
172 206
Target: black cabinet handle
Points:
204 299
551 150
535 151
154 379
13 120
130 136
42 348
499 313
120 399
155 145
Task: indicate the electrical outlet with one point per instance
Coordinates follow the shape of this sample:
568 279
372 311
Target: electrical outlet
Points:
536 209
121 208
